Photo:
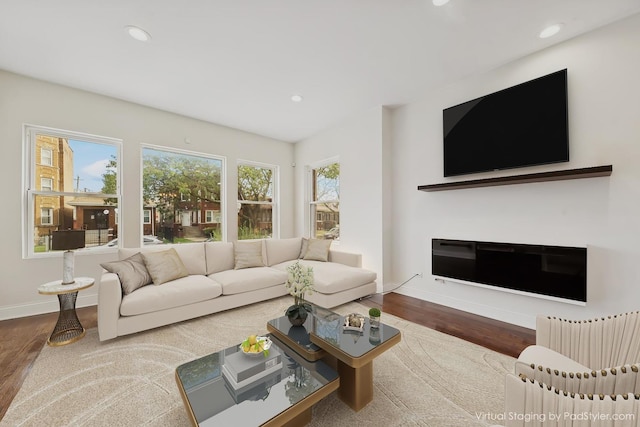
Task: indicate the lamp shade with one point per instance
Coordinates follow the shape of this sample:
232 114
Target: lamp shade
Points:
65 240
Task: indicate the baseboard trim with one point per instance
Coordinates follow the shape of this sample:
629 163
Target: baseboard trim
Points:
49 306
502 315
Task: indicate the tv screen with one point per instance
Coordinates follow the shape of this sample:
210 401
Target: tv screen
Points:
523 125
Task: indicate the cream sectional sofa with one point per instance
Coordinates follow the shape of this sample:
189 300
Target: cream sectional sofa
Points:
214 284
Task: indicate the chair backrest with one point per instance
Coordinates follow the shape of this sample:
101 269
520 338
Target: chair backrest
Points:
531 403
597 343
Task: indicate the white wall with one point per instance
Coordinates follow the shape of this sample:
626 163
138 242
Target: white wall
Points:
600 213
25 100
358 143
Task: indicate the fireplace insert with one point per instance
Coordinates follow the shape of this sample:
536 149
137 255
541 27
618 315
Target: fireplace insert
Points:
555 271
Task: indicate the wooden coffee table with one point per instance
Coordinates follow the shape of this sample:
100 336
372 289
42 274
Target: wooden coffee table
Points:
352 353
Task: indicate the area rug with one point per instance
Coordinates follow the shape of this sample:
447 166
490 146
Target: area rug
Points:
429 379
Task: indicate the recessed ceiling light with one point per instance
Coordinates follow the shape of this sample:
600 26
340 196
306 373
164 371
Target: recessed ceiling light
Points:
551 30
138 33
440 2
296 98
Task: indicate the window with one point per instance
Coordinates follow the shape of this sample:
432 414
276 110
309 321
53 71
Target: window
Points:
183 187
46 157
46 184
324 204
72 190
146 216
211 217
256 195
46 216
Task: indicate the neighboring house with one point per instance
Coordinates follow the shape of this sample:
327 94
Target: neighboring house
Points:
327 216
150 219
54 172
97 218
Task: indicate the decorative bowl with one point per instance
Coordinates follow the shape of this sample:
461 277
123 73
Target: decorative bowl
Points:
353 322
265 344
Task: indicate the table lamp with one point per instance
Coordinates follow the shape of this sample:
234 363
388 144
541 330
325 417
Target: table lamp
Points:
67 241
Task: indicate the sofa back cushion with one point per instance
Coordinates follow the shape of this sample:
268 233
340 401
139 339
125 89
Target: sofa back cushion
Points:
164 266
317 250
248 254
219 256
281 250
132 272
191 254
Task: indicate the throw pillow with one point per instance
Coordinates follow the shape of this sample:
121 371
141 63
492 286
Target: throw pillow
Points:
318 250
164 266
132 272
305 246
248 254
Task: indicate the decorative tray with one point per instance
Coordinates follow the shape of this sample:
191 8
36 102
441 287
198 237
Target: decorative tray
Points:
353 322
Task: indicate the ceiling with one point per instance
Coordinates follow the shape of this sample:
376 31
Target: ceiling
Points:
237 62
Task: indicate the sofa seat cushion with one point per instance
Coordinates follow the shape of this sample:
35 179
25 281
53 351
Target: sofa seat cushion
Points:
248 279
176 293
331 277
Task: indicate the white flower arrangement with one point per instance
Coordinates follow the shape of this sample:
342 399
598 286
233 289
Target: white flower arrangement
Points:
299 283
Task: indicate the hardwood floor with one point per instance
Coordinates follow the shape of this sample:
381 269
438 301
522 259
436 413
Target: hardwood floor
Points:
22 339
20 343
498 336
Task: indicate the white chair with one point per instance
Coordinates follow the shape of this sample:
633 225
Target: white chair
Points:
587 371
591 356
529 403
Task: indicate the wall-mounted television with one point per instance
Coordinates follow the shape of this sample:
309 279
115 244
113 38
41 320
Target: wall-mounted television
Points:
523 125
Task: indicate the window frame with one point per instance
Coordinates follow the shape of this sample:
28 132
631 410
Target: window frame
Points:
49 215
146 219
30 190
49 156
43 187
310 212
223 179
275 200
210 219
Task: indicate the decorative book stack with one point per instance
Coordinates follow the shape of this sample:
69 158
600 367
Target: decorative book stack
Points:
249 377
241 369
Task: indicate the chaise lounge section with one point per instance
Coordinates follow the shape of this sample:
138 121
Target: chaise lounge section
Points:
217 276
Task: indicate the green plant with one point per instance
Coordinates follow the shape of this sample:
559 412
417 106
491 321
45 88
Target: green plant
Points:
374 312
212 233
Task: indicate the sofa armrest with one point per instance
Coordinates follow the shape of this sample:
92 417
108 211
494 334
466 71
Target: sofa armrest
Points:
109 300
346 258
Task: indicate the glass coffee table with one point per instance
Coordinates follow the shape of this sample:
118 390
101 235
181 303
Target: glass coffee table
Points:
273 396
351 353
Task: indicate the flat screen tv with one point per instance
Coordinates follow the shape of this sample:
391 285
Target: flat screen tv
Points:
523 125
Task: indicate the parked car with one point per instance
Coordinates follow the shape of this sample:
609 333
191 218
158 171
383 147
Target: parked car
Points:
334 234
147 240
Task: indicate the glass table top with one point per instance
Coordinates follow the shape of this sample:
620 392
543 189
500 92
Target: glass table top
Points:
217 400
328 326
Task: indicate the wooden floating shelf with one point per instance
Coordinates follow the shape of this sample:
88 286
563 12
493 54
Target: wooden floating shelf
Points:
590 172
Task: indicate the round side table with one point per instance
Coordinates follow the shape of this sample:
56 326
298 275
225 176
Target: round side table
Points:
68 328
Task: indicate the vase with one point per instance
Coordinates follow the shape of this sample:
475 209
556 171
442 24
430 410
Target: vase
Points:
374 321
298 315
